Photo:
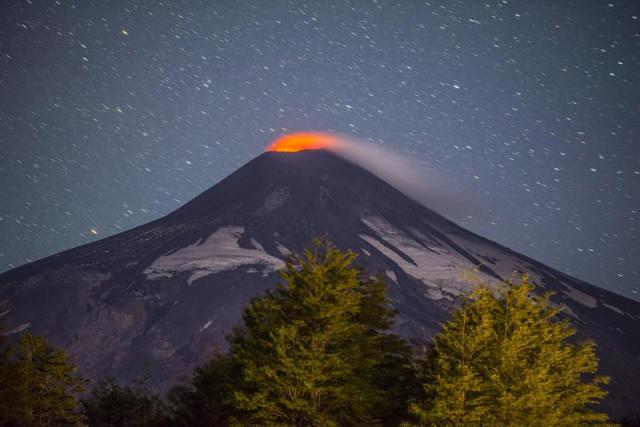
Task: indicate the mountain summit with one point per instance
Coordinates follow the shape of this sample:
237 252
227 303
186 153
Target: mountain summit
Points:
164 295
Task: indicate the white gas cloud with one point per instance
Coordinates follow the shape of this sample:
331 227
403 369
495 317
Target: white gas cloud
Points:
406 174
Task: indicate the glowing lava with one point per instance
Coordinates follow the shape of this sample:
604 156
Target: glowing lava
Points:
303 141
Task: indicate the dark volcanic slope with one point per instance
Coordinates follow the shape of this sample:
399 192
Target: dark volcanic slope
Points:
166 293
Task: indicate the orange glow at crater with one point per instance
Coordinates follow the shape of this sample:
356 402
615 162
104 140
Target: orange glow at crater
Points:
303 141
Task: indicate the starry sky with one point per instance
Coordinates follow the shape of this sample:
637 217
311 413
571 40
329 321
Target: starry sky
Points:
114 113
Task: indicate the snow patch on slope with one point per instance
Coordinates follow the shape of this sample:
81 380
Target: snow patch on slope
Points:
579 296
499 261
206 326
257 244
566 309
506 265
392 275
283 249
18 329
274 201
218 253
435 267
614 308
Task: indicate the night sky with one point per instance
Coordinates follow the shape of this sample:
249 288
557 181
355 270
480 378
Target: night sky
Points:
112 114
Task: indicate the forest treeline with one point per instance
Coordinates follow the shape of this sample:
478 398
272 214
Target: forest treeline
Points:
318 351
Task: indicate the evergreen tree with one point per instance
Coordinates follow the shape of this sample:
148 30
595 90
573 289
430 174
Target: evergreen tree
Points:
314 351
5 376
112 405
393 375
508 360
40 387
206 400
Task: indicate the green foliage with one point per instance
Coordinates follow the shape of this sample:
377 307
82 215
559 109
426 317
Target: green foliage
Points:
393 375
316 351
5 376
113 405
39 386
313 352
508 360
205 402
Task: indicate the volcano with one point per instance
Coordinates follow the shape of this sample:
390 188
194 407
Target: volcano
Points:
162 297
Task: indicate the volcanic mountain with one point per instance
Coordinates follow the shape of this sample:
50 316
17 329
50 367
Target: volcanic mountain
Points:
162 296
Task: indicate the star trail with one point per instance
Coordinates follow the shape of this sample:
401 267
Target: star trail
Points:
113 114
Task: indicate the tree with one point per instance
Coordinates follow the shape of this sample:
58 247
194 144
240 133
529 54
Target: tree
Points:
206 400
314 351
113 405
394 374
509 360
5 375
40 387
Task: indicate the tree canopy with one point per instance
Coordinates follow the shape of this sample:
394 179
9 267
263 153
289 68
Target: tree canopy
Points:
111 404
206 400
317 351
39 385
314 351
510 359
